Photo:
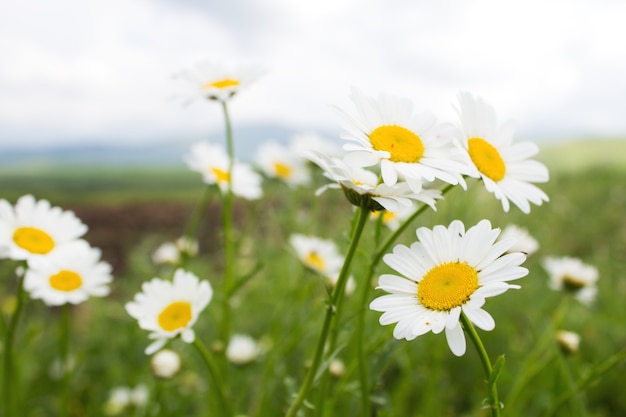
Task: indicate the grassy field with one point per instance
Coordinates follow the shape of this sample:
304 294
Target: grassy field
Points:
282 305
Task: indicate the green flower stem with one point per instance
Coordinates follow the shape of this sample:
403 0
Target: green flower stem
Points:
572 387
192 227
10 384
494 403
64 344
227 221
365 291
540 355
218 386
331 310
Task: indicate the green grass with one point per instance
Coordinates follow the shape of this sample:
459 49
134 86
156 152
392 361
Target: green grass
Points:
283 305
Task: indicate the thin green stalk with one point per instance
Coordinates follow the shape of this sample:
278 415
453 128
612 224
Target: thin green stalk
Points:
10 382
494 403
591 376
537 358
194 221
65 374
572 387
365 290
218 387
227 220
336 294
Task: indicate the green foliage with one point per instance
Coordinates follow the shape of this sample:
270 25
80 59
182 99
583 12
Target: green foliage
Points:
282 305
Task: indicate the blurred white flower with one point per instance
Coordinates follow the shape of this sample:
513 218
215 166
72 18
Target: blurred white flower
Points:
242 349
187 246
166 253
165 363
212 162
280 162
524 242
214 81
170 308
568 341
139 396
336 368
572 275
320 255
72 274
392 219
35 229
122 397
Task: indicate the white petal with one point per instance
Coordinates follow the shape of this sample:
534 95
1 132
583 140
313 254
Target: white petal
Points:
480 318
456 340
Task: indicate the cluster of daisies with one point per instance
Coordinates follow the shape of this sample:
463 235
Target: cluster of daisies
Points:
59 266
395 158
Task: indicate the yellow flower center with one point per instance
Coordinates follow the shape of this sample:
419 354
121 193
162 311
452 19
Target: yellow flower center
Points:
33 240
400 142
447 286
221 176
175 316
486 158
225 83
573 284
66 281
282 170
314 261
388 216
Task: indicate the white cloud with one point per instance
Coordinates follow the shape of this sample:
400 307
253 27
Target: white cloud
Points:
75 70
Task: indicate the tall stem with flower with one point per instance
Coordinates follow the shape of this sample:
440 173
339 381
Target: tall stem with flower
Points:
361 217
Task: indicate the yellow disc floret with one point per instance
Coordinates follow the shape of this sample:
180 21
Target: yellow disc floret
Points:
33 240
314 261
400 142
221 176
225 83
282 171
447 285
486 158
66 281
175 316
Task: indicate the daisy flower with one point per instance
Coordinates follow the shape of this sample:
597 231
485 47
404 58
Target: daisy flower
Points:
317 254
568 341
393 220
166 253
321 256
34 228
572 275
525 242
71 275
278 161
212 162
170 308
165 363
216 82
447 272
361 186
504 166
242 349
410 146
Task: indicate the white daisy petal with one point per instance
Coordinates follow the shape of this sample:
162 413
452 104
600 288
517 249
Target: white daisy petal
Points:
456 340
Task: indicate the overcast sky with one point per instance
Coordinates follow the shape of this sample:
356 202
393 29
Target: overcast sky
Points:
101 70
